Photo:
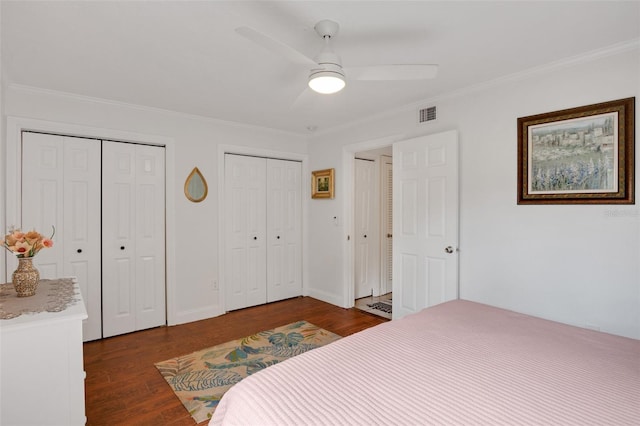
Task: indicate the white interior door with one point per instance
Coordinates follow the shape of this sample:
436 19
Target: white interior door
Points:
367 266
133 243
284 229
61 188
245 231
387 226
425 223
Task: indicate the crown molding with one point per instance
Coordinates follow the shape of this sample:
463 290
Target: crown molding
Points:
91 99
612 50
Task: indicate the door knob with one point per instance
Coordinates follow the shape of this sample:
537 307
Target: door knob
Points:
448 249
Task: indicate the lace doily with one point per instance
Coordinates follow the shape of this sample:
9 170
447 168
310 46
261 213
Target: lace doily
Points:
51 296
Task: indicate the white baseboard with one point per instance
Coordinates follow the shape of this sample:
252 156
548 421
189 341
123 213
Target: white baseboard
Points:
192 315
326 297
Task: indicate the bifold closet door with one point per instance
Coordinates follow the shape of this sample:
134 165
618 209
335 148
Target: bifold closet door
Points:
387 226
133 240
284 230
245 231
61 188
263 230
367 264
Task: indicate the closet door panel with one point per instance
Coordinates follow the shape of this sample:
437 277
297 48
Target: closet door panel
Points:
82 201
118 240
42 196
276 237
284 230
387 227
235 237
245 245
61 188
367 266
149 237
293 228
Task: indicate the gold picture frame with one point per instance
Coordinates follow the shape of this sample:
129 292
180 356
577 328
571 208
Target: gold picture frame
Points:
582 155
322 183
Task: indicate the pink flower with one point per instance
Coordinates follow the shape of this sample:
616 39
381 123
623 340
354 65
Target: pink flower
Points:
22 247
14 237
26 244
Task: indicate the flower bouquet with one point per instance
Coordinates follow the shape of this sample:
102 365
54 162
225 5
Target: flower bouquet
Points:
25 246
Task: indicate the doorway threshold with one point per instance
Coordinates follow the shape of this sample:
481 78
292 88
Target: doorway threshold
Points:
375 305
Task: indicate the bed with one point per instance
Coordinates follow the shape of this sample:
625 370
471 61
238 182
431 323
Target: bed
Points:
458 363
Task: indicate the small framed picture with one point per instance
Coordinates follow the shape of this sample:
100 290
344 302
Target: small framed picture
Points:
322 183
582 155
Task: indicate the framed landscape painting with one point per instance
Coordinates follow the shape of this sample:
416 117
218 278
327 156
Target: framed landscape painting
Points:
322 183
581 155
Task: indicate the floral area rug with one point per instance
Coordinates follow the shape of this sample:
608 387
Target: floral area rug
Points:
200 379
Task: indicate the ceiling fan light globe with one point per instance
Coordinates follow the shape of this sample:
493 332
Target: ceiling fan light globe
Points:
326 82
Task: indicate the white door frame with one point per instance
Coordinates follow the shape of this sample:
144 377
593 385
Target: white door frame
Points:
305 196
13 169
348 165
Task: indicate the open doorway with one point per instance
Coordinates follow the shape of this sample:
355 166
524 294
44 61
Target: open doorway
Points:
425 253
373 237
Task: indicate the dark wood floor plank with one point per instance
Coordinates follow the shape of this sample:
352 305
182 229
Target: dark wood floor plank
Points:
123 387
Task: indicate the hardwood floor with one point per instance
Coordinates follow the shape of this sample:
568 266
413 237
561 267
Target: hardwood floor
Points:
123 387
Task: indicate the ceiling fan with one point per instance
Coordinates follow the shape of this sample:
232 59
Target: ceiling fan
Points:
326 73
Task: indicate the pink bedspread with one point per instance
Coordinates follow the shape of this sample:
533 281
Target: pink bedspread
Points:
459 363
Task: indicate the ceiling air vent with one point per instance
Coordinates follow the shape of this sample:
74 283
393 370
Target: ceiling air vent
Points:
427 114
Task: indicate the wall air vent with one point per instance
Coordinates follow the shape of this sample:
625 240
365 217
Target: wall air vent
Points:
427 114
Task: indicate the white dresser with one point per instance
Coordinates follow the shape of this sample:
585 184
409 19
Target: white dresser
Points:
41 367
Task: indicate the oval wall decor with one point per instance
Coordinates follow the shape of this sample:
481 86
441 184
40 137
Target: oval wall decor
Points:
195 187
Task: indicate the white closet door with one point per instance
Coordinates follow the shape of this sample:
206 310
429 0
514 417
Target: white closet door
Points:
43 196
284 229
245 231
150 237
81 232
367 265
61 187
387 226
133 243
118 238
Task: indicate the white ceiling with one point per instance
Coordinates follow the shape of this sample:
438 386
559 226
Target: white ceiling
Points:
185 55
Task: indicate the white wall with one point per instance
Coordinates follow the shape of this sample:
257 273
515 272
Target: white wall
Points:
577 264
193 254
3 225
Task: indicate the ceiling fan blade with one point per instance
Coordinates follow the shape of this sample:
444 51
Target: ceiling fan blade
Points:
275 46
393 72
304 99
